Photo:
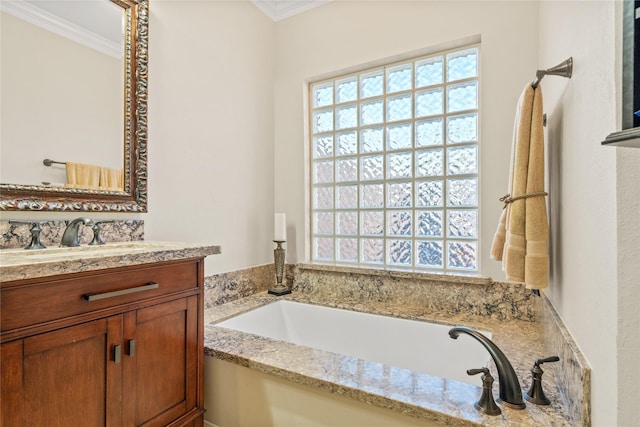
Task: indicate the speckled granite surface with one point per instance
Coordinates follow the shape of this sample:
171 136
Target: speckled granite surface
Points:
225 287
451 294
18 235
574 379
521 325
17 264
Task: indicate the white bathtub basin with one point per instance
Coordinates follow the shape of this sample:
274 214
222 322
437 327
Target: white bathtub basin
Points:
414 345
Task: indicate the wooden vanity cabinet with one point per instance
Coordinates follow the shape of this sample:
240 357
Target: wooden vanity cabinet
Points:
114 347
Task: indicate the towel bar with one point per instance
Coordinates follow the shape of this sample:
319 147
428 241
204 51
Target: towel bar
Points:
49 162
564 69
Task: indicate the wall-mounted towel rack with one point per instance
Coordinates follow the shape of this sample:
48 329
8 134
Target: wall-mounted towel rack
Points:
564 69
49 162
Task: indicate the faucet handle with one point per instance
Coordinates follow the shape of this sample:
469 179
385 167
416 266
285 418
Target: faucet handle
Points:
96 227
477 371
536 393
35 234
486 404
546 359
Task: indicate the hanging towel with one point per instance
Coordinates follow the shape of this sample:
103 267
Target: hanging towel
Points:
521 239
121 180
111 179
80 175
536 275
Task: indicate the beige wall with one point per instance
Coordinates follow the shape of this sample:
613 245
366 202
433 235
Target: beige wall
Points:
365 31
60 100
236 396
628 251
594 203
211 129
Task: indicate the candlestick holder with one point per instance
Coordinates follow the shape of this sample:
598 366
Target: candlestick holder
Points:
278 255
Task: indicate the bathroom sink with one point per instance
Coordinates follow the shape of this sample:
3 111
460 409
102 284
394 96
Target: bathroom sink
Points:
18 264
73 252
85 251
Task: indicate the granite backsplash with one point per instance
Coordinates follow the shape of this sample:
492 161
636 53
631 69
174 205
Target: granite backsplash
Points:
15 236
447 294
226 287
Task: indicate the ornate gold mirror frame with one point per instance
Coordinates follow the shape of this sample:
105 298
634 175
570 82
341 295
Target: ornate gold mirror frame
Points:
14 197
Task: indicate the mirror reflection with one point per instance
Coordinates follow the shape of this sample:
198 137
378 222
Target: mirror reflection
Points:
62 94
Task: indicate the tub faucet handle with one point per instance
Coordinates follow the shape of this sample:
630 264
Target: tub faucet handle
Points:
547 359
486 404
536 393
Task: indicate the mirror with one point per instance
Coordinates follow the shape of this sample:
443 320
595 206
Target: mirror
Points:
75 109
629 136
631 65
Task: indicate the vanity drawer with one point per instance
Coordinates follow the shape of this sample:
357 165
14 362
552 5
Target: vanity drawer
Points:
48 300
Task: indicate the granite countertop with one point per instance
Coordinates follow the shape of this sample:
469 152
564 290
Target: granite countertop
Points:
419 395
17 264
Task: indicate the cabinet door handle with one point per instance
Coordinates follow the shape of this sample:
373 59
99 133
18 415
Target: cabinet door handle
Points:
131 348
95 297
117 354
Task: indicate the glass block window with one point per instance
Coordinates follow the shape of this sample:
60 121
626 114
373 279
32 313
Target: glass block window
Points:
394 164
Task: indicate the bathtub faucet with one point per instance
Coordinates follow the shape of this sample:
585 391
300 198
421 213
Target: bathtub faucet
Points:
510 392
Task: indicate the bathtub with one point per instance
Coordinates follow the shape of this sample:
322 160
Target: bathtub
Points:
409 344
336 368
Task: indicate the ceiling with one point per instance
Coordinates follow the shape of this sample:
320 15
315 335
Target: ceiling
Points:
281 9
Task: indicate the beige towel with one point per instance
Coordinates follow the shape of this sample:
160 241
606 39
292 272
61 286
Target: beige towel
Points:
111 179
536 274
80 175
522 235
121 180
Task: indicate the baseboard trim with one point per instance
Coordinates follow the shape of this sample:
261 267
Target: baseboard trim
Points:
208 424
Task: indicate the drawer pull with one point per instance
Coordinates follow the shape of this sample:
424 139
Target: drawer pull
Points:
132 348
95 297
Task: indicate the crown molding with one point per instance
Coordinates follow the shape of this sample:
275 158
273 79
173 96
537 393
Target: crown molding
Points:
57 25
278 10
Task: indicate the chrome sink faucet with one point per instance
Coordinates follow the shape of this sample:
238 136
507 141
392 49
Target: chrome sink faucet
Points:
510 392
70 236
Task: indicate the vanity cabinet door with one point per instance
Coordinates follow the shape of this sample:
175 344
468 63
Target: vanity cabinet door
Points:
161 363
61 377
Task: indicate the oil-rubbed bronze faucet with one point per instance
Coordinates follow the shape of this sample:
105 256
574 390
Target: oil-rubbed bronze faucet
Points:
510 392
486 404
536 393
70 236
35 234
97 240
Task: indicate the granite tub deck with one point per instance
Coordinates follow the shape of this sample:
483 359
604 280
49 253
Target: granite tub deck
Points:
415 394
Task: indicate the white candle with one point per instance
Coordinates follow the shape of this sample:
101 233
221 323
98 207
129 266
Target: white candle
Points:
280 227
